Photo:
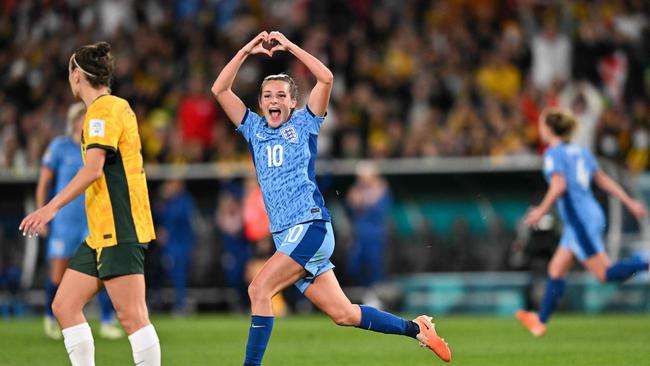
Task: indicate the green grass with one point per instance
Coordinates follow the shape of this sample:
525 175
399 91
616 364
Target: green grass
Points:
313 340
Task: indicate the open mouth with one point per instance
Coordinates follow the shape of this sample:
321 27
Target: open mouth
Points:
274 113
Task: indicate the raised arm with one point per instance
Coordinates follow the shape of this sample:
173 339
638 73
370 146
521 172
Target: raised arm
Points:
607 184
556 188
229 101
320 94
93 170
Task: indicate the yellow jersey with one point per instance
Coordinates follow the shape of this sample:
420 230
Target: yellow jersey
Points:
117 204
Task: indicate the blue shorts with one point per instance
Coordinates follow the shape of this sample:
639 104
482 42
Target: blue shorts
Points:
63 242
311 245
583 241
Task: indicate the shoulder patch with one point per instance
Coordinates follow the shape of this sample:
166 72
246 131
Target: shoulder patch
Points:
96 127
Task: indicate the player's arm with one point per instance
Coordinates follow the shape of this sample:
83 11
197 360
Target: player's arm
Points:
607 184
556 188
93 170
320 95
234 108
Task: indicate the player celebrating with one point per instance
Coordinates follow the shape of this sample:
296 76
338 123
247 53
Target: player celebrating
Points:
283 145
118 211
60 163
569 170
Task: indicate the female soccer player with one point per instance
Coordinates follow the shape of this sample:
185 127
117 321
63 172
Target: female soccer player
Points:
570 170
61 162
118 211
283 144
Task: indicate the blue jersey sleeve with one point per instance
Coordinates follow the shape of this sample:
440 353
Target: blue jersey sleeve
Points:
52 156
249 124
554 163
311 121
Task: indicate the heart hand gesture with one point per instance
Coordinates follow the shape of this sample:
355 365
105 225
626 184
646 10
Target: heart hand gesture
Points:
279 41
256 45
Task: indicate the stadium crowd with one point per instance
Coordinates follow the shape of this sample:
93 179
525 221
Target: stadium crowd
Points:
414 78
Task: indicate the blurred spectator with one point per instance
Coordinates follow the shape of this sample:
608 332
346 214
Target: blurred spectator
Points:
584 100
368 204
236 250
550 46
411 79
499 77
197 114
176 238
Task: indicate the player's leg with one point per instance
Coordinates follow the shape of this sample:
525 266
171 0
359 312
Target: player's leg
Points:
127 293
601 267
74 292
555 286
57 268
60 247
122 269
279 272
108 328
326 293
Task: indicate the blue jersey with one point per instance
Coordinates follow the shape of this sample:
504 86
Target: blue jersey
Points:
63 156
285 160
578 207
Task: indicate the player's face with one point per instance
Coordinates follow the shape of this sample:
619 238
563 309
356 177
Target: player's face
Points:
276 102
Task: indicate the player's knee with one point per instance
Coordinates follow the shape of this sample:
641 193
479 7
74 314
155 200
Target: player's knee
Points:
554 272
257 292
62 308
132 319
58 308
344 317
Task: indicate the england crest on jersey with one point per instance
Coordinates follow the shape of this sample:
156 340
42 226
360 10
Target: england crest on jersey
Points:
290 134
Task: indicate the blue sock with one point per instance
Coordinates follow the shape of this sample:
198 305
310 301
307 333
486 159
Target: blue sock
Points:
258 337
554 291
50 291
383 322
105 306
622 270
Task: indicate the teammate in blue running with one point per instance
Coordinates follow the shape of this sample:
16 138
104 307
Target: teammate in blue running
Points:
283 144
569 171
62 160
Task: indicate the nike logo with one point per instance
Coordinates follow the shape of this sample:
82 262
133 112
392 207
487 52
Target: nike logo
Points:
140 363
257 326
259 136
99 266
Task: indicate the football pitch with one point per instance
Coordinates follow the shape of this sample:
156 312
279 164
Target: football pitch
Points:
572 340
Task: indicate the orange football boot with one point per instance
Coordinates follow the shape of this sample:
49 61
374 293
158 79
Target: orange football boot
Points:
530 320
429 338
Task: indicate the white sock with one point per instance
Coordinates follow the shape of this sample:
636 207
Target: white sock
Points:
80 345
145 346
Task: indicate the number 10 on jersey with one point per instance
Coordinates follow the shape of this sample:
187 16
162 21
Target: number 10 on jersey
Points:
274 155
